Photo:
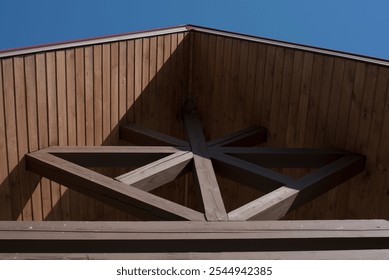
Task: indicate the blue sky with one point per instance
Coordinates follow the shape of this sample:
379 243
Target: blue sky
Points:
360 27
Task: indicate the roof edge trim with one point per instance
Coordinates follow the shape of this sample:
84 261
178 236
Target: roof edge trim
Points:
289 45
92 41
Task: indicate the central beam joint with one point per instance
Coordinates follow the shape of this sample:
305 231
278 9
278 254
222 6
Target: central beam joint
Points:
203 170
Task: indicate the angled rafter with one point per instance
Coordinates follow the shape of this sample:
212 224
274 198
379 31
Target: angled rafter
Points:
251 136
158 173
247 173
107 190
143 136
283 157
203 169
277 203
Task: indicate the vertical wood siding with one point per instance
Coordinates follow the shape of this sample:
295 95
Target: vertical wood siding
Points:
305 100
79 96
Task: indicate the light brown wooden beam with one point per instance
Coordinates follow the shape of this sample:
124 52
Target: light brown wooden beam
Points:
283 157
278 203
159 172
107 190
251 136
163 237
203 170
247 173
113 156
142 136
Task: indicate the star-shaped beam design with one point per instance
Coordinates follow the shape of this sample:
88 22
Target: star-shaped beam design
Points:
162 158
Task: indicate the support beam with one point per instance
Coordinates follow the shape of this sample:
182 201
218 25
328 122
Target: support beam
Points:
278 203
158 173
142 136
251 136
107 190
247 173
283 157
112 156
368 254
203 170
158 237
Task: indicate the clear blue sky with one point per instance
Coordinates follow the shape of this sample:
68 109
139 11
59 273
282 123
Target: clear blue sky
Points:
357 26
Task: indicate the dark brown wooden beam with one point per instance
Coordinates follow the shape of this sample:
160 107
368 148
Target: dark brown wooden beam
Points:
251 136
278 203
164 237
142 136
107 190
159 172
247 173
113 156
283 157
203 170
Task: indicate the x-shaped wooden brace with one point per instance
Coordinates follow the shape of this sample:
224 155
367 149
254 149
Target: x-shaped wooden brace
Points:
166 158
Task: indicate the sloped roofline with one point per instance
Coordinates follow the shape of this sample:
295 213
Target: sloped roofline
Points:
187 28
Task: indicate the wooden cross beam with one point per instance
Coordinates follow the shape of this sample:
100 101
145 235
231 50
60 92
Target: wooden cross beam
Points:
203 170
172 157
107 190
158 237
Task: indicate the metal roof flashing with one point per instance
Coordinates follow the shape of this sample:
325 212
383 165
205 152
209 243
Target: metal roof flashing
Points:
188 28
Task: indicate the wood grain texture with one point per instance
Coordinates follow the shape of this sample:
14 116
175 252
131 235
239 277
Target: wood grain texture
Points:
305 99
149 237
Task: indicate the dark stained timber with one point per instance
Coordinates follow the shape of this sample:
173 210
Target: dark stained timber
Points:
266 180
142 136
283 157
251 136
278 203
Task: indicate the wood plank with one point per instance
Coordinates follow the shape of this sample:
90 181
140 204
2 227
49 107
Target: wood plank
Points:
89 106
130 116
106 93
283 157
147 237
107 190
12 140
158 173
112 156
39 113
203 170
275 93
23 143
251 136
379 254
276 204
53 124
71 112
5 192
138 81
98 93
139 135
266 180
62 124
122 83
80 96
